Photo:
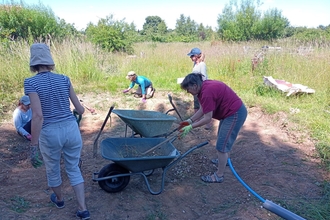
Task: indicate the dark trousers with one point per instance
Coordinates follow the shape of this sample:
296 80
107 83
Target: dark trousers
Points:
27 127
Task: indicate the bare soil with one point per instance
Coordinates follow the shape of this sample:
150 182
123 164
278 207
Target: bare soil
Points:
270 156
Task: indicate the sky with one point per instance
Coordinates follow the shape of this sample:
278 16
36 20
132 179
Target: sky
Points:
308 13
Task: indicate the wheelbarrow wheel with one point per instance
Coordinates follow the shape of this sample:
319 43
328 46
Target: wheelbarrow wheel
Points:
113 185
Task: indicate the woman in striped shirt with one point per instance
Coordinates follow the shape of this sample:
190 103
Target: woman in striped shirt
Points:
54 127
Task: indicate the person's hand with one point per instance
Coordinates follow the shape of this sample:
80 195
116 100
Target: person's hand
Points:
34 157
143 100
125 91
184 124
28 137
77 116
184 131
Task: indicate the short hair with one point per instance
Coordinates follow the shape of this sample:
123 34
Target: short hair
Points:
192 79
36 68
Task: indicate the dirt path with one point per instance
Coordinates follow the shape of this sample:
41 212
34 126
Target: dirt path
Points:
278 164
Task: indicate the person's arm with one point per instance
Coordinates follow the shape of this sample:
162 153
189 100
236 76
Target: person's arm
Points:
131 85
36 125
203 118
75 101
141 80
186 126
203 70
143 87
18 122
37 118
197 115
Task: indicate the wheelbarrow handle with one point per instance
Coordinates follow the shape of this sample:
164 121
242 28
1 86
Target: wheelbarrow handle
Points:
184 155
201 144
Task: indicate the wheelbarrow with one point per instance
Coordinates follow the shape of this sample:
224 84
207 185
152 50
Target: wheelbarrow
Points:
139 122
146 123
128 158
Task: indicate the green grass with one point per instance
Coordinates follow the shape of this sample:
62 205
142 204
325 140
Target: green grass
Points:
311 208
156 215
19 204
93 70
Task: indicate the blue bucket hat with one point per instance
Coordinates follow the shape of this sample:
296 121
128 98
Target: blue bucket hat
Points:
194 51
40 55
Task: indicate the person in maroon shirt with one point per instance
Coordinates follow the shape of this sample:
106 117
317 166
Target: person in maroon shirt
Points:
220 102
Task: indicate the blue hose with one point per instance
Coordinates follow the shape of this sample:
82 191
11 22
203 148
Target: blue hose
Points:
270 206
243 183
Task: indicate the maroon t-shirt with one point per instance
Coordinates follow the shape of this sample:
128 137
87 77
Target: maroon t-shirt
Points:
216 96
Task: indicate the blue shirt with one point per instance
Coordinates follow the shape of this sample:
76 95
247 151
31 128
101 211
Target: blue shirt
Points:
143 82
21 118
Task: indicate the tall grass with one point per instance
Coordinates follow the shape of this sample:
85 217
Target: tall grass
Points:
92 69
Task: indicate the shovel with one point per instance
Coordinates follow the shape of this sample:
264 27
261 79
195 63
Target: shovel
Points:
170 138
91 110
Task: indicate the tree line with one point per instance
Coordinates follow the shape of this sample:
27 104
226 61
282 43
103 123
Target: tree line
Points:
238 21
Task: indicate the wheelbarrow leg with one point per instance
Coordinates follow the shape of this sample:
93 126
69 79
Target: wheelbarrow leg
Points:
98 135
169 166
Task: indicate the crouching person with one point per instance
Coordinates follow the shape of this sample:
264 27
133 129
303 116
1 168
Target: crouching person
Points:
145 90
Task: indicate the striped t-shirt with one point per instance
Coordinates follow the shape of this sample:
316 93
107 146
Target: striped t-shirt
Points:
54 94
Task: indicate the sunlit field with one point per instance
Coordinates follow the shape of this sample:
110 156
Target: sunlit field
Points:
93 70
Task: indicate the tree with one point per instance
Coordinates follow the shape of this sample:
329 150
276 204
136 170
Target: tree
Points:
154 24
154 29
237 22
186 28
112 35
162 28
32 22
315 35
245 22
272 26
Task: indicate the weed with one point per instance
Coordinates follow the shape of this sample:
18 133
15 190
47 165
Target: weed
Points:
316 210
158 215
19 204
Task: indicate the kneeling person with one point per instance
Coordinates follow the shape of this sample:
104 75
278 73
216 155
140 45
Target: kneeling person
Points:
145 90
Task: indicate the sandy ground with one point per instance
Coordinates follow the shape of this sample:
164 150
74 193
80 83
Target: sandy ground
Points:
278 164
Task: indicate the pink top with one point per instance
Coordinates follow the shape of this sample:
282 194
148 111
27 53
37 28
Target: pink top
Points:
216 96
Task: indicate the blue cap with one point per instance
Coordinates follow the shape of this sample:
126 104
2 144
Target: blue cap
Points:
194 51
25 100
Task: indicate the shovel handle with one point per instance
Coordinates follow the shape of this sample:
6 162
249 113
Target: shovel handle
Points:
170 138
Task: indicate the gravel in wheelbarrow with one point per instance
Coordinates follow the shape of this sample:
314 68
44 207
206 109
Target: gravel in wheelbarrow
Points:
146 123
128 153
